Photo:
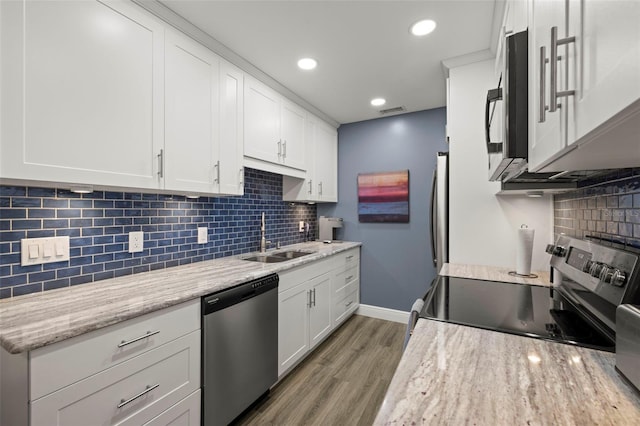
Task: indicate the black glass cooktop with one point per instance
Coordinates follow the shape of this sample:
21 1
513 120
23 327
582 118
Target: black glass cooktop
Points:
526 310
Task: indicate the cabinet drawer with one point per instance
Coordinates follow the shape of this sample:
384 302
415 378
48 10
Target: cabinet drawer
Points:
346 282
130 393
184 413
345 307
64 363
349 258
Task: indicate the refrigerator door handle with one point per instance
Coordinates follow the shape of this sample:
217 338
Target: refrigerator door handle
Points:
432 217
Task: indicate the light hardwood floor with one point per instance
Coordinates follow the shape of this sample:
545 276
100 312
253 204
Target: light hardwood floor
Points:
342 383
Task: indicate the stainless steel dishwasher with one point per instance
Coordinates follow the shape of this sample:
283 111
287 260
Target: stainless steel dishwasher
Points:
239 348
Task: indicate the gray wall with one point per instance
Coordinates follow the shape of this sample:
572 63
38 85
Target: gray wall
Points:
396 266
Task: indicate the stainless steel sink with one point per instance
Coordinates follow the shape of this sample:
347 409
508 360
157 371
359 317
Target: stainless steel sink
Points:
282 256
292 254
266 259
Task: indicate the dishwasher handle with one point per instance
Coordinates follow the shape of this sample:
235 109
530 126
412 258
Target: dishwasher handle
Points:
245 291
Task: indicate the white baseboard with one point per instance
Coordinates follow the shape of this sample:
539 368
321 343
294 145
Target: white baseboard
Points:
383 313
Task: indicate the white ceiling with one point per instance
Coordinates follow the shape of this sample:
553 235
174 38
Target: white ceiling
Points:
363 48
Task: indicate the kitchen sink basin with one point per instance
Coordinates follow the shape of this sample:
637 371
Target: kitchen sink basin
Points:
292 254
266 259
283 256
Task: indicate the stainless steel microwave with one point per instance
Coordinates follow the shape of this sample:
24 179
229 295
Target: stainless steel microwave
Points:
506 113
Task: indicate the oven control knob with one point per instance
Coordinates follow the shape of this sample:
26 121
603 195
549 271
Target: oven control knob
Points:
596 269
587 266
618 278
554 250
606 274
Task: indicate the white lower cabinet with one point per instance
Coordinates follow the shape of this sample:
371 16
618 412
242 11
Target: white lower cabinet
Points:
141 370
130 393
184 413
312 301
304 318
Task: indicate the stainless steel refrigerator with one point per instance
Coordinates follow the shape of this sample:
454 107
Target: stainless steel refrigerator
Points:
440 211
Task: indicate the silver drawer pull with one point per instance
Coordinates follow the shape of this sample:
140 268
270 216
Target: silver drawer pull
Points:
349 278
148 389
349 257
349 304
128 342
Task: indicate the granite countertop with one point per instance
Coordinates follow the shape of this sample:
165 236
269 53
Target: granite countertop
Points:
492 273
35 320
453 374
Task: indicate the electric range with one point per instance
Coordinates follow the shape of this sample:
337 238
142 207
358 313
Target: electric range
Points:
589 280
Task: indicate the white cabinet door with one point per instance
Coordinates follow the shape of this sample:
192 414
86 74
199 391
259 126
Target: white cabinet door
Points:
184 413
231 129
192 117
292 135
321 182
326 162
608 55
82 93
550 130
293 325
262 122
320 323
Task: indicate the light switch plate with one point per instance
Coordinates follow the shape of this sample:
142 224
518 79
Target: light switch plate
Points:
136 241
202 235
36 251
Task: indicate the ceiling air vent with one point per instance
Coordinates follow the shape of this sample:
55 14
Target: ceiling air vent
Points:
393 110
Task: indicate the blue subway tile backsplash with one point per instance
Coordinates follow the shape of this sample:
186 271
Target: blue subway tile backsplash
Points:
607 211
98 225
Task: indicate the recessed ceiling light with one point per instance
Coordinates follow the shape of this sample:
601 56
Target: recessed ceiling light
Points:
307 63
423 27
378 101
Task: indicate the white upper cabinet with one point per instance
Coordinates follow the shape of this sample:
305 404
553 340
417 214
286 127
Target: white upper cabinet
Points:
585 99
548 126
608 57
191 157
274 128
292 133
231 130
108 95
262 122
326 162
321 181
82 93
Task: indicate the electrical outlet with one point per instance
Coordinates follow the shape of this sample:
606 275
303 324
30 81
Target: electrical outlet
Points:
202 235
136 242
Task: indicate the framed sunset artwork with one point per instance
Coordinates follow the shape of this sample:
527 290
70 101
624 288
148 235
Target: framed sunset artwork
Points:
383 197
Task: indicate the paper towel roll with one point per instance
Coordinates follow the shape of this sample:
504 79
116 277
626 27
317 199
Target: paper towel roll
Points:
524 251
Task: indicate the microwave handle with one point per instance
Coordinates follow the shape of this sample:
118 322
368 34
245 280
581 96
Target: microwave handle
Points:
493 95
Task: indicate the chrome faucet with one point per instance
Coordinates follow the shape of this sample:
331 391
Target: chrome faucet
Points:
263 240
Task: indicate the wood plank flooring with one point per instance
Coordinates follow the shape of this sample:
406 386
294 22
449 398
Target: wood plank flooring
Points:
342 383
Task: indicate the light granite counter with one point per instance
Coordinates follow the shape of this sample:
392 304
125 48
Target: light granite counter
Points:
31 321
492 273
456 375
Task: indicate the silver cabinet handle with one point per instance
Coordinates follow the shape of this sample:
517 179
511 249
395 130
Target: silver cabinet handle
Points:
148 389
241 182
161 163
284 149
310 186
349 258
309 298
314 297
553 69
349 278
349 304
543 83
128 342
320 188
217 166
280 148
